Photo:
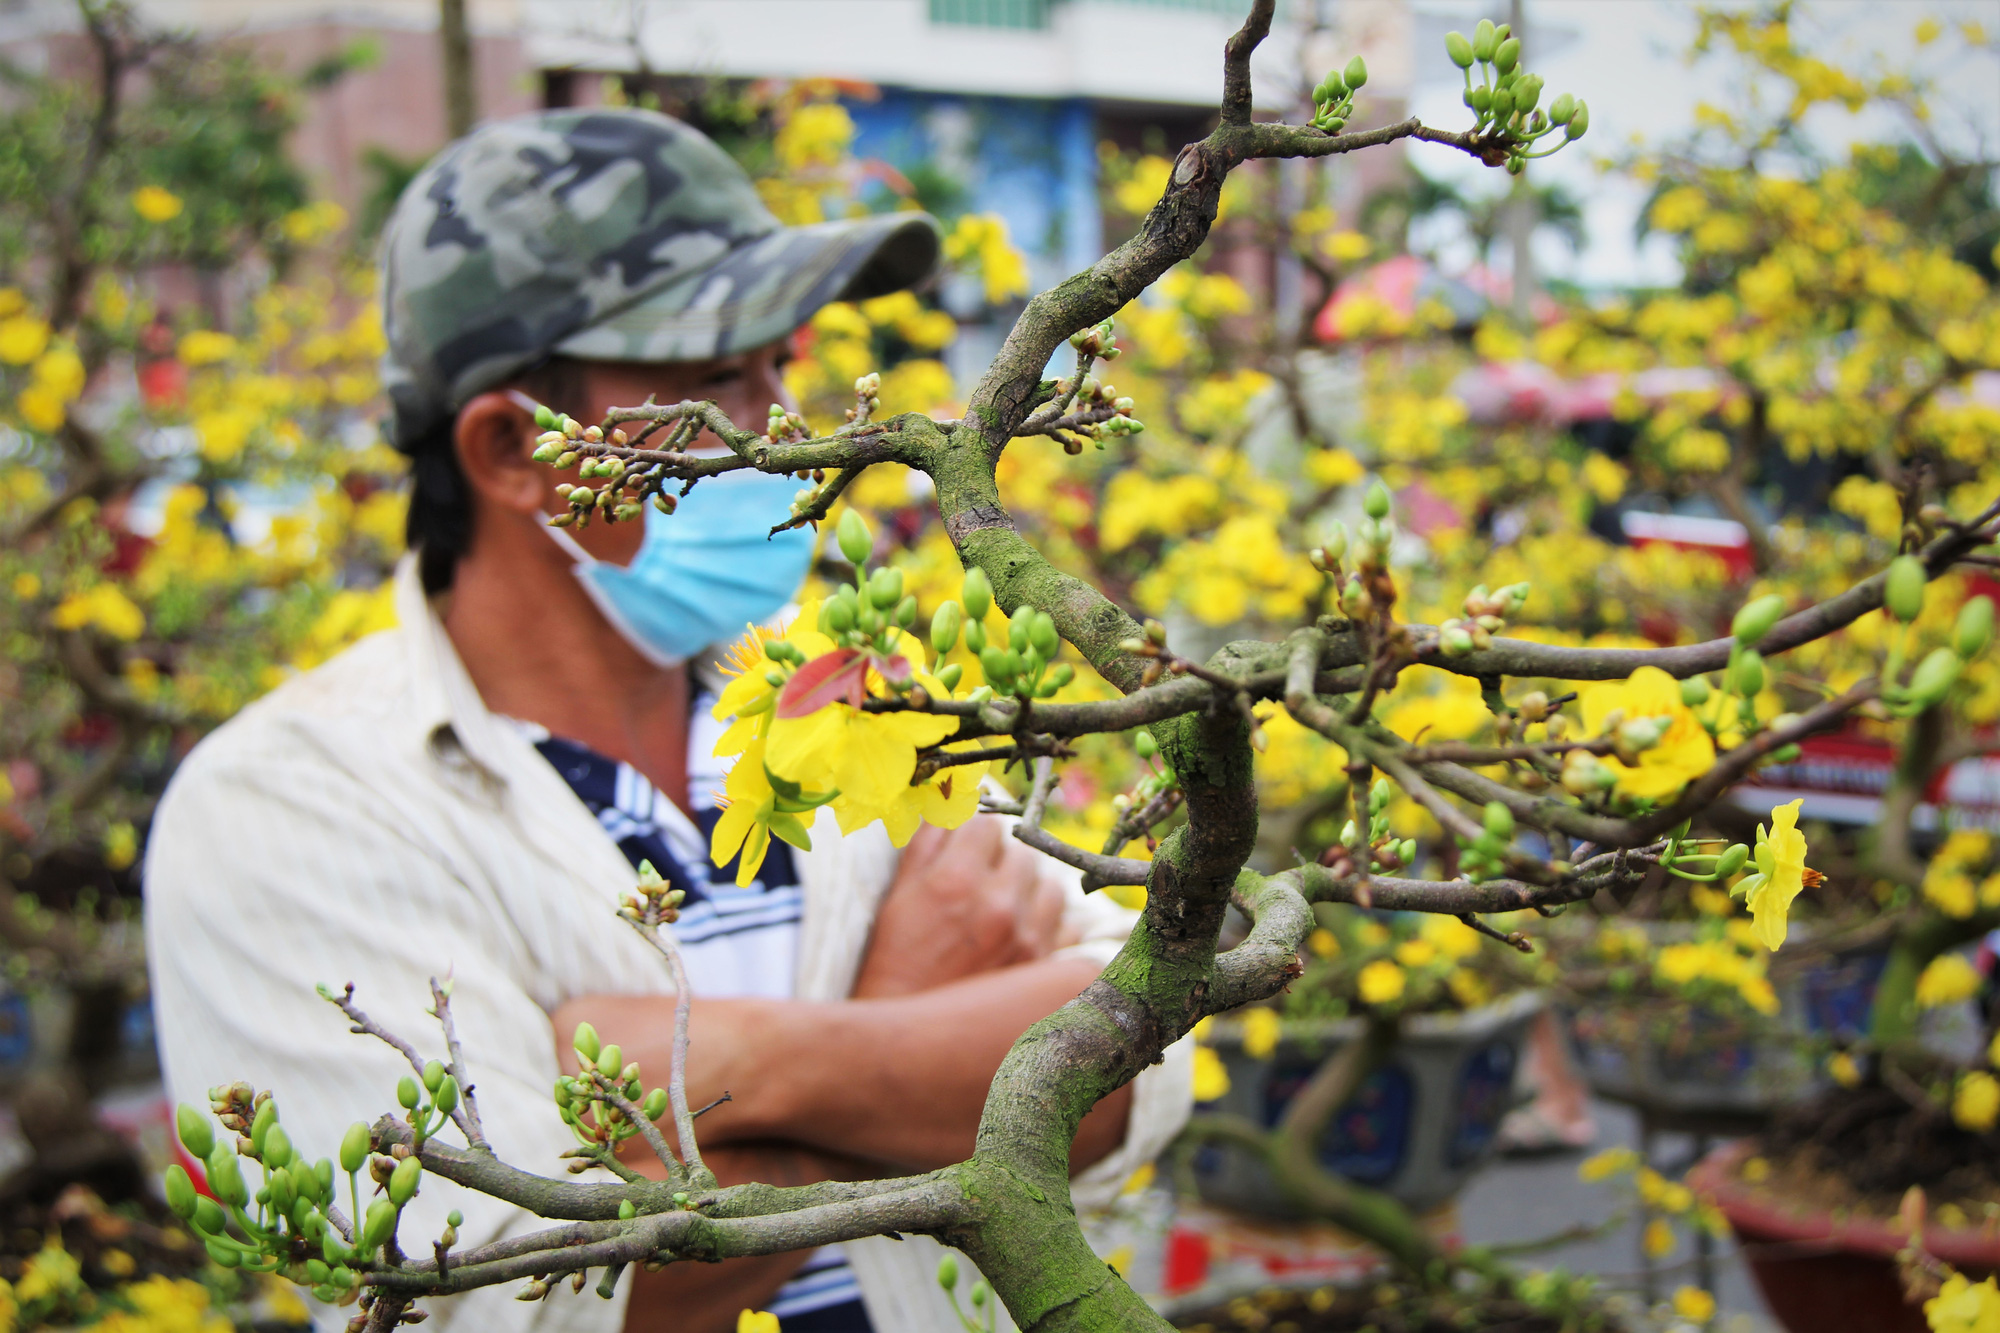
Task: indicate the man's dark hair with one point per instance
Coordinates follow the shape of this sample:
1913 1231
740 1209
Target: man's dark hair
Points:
439 526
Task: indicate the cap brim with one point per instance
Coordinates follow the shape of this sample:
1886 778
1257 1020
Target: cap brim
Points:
763 289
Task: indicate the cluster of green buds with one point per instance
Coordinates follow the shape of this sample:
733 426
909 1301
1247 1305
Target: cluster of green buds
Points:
1333 96
1025 665
1584 774
1159 774
1744 676
985 1310
1092 396
286 1225
1099 340
1370 549
1485 856
867 397
1154 646
653 902
566 443
1504 101
1486 614
1932 678
582 1099
782 426
864 614
1385 851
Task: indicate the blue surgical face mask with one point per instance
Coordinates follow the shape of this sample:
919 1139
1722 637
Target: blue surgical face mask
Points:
703 572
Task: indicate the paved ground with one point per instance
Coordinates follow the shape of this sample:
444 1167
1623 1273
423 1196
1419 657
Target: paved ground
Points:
1527 1198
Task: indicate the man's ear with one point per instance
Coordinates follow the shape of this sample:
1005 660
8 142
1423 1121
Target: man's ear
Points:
492 438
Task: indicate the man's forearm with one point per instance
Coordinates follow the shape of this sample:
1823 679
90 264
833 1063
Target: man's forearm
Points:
898 1081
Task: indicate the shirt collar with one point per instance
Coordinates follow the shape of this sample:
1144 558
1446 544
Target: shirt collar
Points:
448 710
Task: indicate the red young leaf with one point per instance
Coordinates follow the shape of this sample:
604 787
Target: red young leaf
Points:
839 675
893 668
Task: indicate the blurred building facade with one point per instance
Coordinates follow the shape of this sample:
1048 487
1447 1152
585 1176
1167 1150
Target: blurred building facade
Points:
1005 101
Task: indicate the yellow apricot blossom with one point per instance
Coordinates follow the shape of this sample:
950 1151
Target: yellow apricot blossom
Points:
1381 982
156 204
1949 979
1261 1027
1684 752
1962 1306
1975 1103
104 606
1781 872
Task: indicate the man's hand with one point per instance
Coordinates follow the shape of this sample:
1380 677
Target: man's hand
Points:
965 901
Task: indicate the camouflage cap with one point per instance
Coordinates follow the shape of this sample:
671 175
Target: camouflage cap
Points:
616 235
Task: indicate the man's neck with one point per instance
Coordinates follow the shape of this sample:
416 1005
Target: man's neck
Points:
538 649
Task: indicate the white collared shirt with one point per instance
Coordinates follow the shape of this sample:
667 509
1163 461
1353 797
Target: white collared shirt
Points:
370 821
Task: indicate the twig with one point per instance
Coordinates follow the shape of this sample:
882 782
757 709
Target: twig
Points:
608 1091
704 1110
466 1114
698 1173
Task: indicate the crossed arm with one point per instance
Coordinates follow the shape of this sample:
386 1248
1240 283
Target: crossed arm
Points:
891 1081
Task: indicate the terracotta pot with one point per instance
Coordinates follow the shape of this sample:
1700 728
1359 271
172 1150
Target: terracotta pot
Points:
1819 1272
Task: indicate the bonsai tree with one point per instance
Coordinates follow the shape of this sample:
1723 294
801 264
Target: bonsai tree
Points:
859 708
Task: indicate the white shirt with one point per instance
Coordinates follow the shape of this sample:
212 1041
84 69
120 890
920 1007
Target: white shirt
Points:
370 821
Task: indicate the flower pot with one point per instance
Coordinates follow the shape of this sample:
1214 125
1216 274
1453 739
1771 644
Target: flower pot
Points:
1418 1126
1690 1060
1822 1270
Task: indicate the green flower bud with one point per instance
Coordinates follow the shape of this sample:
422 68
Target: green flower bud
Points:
433 1075
1502 104
1376 502
283 1192
885 588
1356 72
380 1224
277 1146
1694 691
323 1179
975 637
945 624
906 613
208 1217
547 453
977 594
947 1272
655 1104
225 1177
566 461
546 419
1321 96
853 536
260 1124
1042 634
1756 618
1406 851
1579 121
354 1148
1527 92
180 1192
317 1272
225 1256
1456 641
626 1212
407 1093
446 1097
839 615
1144 743
1507 54
1459 48
196 1133
1732 859
1479 99
1974 629
1498 820
1562 109
1748 679
454 1218
993 661
1484 40
1903 588
610 1060
1935 676
333 1247
950 674
403 1180
1061 676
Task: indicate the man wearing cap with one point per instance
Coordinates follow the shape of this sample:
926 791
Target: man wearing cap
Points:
468 795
